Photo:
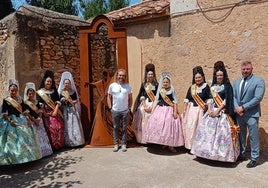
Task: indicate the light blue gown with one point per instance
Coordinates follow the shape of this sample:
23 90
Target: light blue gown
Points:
18 143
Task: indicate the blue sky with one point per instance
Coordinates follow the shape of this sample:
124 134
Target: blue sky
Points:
134 1
18 3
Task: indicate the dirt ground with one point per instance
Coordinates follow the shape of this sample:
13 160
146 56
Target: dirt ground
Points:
138 167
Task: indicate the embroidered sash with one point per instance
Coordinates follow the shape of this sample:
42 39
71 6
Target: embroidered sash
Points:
14 103
234 128
148 89
196 97
48 100
165 97
66 94
31 105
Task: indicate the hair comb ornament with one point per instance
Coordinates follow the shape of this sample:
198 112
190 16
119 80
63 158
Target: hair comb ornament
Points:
13 82
30 85
166 75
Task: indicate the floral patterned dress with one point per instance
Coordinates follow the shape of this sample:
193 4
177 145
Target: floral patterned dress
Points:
194 113
213 139
40 132
73 130
162 128
18 144
53 124
140 118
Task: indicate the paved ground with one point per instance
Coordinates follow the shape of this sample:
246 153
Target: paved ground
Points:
138 167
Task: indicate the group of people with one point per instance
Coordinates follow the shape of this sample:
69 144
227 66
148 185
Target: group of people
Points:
43 121
213 123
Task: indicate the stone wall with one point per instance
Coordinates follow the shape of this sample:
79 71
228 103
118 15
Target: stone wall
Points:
179 44
39 40
3 68
7 65
3 33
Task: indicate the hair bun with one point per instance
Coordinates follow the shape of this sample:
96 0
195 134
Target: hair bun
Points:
49 73
219 65
198 69
150 67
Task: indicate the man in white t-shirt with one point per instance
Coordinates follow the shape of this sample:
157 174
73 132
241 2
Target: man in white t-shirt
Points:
119 102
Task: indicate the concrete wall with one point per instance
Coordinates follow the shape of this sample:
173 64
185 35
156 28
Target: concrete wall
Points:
187 40
182 6
135 68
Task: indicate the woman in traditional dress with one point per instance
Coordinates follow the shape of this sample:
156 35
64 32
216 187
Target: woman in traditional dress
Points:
18 143
49 101
164 125
73 132
195 104
34 115
216 136
144 102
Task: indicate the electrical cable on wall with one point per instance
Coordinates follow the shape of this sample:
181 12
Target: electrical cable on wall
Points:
231 6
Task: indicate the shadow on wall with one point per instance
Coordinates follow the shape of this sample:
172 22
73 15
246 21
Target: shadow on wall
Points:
150 30
48 172
85 122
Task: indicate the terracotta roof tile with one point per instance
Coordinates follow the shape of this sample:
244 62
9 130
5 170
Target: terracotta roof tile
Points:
147 8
